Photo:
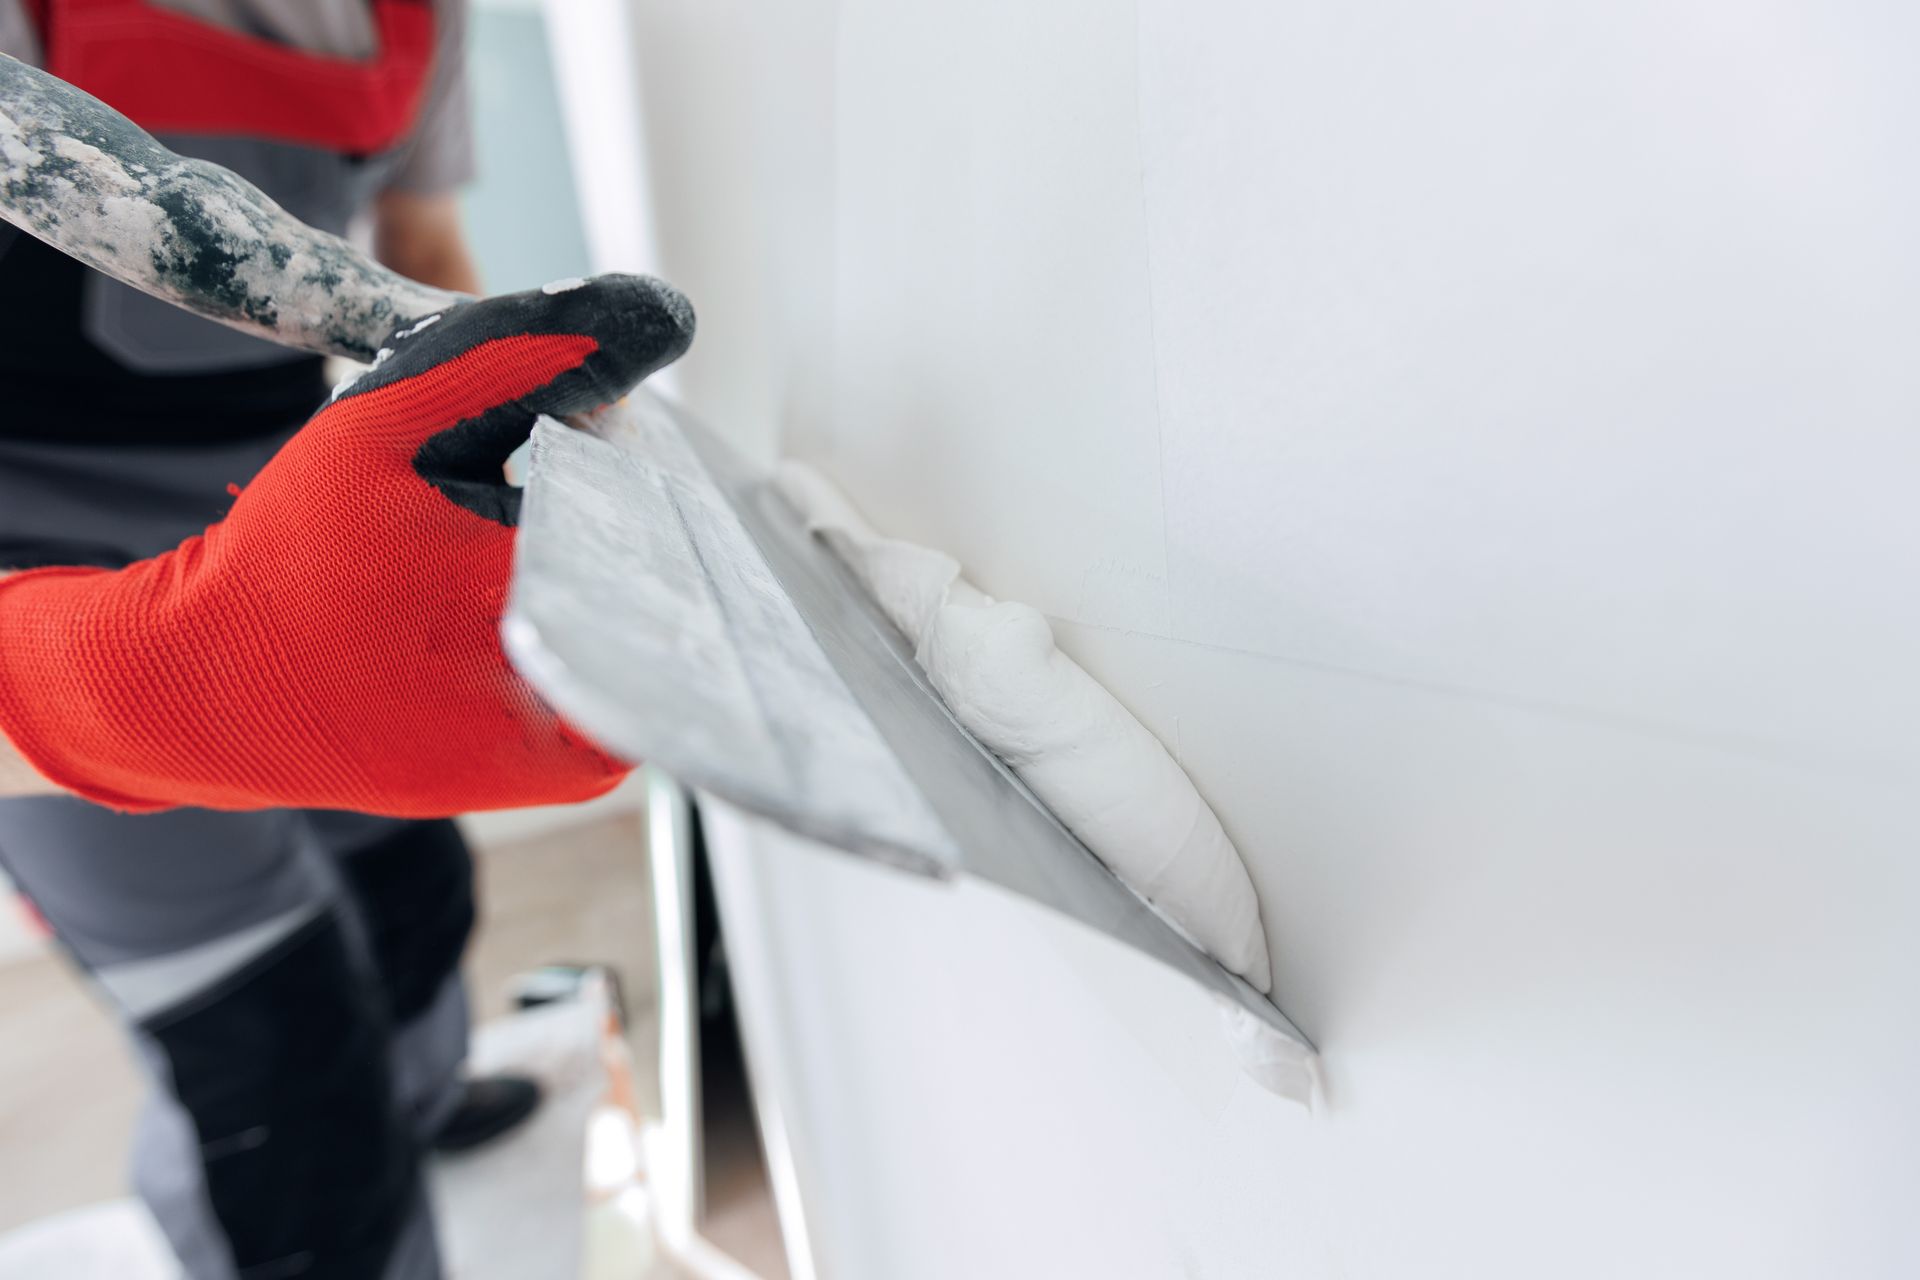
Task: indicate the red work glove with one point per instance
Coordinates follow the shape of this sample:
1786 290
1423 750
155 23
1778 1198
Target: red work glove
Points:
334 642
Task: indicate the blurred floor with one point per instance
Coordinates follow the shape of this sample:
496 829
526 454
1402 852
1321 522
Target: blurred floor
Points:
580 895
68 1096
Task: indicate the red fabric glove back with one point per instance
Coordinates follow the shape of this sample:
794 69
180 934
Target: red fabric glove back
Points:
334 642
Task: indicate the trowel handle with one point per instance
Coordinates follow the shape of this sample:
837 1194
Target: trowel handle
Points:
90 182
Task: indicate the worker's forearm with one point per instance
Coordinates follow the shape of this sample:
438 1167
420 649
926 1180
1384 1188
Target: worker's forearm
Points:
447 268
421 238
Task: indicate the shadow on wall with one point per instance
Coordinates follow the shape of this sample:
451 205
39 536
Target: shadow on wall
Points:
521 216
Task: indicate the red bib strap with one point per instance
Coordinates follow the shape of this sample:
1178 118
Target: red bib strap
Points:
171 73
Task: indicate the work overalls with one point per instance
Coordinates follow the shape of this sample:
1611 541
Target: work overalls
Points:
289 979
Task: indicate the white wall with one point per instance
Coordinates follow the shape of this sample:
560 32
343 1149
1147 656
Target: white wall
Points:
1480 440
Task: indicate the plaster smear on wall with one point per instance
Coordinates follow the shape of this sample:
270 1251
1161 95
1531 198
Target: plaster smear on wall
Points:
1099 769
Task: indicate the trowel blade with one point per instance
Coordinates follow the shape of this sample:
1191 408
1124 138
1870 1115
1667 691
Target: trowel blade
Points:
644 610
669 602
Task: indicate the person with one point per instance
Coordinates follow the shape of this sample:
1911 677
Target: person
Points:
249 667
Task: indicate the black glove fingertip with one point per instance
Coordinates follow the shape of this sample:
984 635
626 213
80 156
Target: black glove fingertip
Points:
641 324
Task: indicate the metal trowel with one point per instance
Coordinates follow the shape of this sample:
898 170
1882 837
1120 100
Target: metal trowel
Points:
665 599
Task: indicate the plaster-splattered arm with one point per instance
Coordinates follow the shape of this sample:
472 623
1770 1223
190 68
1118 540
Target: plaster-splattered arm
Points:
84 178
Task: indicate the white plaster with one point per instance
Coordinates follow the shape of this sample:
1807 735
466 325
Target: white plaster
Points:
1098 768
124 221
417 326
19 156
1279 1064
103 169
909 582
354 373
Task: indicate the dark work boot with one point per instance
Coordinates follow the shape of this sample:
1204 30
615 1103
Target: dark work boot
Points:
492 1106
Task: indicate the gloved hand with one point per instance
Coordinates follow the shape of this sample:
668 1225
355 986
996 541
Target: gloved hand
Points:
334 642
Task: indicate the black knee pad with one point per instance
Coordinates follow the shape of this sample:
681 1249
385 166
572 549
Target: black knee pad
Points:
414 889
283 1069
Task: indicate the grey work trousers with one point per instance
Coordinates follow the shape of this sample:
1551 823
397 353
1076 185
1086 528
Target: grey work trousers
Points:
289 980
